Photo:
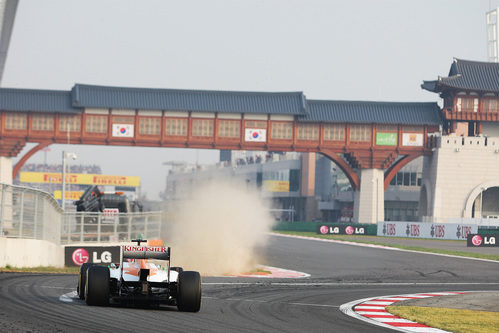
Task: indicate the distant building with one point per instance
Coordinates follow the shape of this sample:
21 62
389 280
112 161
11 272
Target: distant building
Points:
302 187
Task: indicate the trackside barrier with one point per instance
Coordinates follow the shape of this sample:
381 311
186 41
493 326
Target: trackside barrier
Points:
29 214
455 231
17 252
369 228
84 227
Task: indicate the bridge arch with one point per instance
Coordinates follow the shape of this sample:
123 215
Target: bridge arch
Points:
347 169
394 168
26 156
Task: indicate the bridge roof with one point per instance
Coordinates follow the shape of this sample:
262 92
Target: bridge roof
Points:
12 99
404 113
292 103
467 75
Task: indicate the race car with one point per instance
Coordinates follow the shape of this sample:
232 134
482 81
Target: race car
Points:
137 280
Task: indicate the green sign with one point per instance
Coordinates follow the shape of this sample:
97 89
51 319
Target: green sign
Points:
386 139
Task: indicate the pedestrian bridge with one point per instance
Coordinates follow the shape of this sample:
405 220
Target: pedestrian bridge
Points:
367 140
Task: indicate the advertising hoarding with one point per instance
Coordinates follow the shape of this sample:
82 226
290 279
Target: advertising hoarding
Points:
386 139
79 178
426 230
482 240
78 255
276 185
412 139
69 195
324 229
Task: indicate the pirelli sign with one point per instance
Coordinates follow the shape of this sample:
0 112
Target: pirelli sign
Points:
79 178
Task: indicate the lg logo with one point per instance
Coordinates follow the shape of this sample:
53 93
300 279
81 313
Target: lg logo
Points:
81 256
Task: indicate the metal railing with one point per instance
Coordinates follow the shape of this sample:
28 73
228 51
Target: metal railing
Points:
81 227
29 213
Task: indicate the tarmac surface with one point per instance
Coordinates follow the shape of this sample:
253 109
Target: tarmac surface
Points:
339 273
477 301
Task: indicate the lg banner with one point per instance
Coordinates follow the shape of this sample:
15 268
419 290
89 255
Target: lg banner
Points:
340 230
427 230
78 255
475 240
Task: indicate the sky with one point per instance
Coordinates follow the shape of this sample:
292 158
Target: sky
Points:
377 50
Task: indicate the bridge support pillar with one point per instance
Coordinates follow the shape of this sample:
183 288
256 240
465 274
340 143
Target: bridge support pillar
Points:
5 170
369 200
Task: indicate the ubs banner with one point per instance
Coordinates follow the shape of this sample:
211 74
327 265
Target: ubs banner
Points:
475 240
427 230
341 229
78 255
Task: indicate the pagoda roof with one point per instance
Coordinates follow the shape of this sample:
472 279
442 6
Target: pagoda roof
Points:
468 76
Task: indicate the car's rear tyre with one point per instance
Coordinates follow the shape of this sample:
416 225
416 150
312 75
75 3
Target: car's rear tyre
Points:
82 278
189 291
177 269
97 286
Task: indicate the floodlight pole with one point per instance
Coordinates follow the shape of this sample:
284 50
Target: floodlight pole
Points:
63 192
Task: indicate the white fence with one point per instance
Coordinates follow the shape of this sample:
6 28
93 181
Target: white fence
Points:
29 213
83 227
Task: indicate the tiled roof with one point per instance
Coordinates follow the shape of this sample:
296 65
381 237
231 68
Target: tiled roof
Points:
372 112
188 100
294 103
12 99
468 75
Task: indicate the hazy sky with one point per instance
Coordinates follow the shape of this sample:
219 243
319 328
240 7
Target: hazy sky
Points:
331 49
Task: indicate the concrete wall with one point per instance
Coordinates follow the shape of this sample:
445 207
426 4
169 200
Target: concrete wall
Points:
455 175
5 170
18 252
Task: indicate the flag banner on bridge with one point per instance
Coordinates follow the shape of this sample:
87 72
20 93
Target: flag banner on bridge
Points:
255 135
78 255
386 139
483 240
123 130
346 229
426 230
412 139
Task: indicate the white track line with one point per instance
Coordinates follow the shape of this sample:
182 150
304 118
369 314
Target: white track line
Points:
383 247
69 297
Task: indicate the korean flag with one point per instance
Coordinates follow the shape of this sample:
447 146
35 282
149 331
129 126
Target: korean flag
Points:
123 130
255 135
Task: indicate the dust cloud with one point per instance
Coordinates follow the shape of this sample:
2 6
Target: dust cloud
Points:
217 231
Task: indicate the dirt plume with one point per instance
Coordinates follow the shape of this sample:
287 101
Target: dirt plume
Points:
217 231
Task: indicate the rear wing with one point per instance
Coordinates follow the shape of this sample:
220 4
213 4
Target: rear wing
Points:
145 252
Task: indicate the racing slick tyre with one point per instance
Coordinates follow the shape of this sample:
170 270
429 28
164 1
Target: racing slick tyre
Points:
97 286
189 291
82 278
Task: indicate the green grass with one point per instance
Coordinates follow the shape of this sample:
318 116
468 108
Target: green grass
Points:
451 320
42 269
380 241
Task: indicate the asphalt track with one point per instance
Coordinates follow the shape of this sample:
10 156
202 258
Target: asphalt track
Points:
339 274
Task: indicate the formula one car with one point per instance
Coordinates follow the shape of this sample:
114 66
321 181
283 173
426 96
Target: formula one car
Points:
136 280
